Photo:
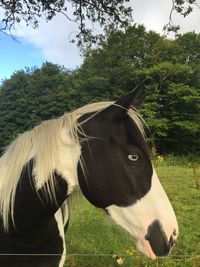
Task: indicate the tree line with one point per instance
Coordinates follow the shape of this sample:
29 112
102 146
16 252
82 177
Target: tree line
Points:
170 68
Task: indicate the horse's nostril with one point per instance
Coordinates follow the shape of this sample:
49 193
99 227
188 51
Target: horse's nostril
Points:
106 211
172 241
147 237
174 232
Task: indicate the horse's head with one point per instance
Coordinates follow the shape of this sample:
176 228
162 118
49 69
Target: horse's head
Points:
117 175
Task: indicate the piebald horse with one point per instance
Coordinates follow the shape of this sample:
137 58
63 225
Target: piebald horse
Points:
99 148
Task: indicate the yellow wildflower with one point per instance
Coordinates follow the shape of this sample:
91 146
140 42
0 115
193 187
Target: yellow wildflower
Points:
131 252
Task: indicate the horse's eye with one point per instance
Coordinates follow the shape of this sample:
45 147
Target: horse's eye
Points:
133 157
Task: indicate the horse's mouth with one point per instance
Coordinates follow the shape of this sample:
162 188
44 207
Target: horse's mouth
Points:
144 247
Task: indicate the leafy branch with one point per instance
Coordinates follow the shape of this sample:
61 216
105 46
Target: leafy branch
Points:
102 12
182 7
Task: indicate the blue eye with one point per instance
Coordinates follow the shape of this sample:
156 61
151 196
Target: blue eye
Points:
133 157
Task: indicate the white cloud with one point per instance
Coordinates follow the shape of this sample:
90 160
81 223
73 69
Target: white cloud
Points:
53 39
1 13
154 14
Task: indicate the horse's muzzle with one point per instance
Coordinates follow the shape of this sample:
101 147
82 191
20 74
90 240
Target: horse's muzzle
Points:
158 240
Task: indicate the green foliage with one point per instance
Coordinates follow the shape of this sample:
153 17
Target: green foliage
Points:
189 48
12 105
28 98
171 108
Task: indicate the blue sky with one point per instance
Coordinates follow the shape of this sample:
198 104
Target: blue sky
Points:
16 55
51 41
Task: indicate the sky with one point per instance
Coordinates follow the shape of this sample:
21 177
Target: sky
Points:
51 41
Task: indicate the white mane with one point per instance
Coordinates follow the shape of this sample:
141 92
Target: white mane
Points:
46 144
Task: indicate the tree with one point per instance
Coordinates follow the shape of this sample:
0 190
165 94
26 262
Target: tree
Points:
11 105
30 97
184 121
189 48
172 108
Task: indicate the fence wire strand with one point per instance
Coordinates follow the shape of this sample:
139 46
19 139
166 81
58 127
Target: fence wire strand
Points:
175 257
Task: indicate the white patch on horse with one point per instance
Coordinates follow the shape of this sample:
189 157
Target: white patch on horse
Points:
68 154
65 212
59 219
136 218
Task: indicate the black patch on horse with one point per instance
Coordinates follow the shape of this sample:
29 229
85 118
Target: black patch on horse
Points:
35 230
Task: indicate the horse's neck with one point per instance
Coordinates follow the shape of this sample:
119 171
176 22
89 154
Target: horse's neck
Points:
32 207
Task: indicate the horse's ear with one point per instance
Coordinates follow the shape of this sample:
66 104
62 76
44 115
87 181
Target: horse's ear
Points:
114 111
134 98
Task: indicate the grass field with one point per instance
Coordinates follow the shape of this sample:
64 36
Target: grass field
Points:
92 232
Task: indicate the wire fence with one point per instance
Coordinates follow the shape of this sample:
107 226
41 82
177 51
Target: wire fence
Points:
178 256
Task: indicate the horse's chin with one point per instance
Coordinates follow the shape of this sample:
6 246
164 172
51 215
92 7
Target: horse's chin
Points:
144 247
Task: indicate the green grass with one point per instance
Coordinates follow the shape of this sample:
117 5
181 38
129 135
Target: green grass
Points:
91 232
